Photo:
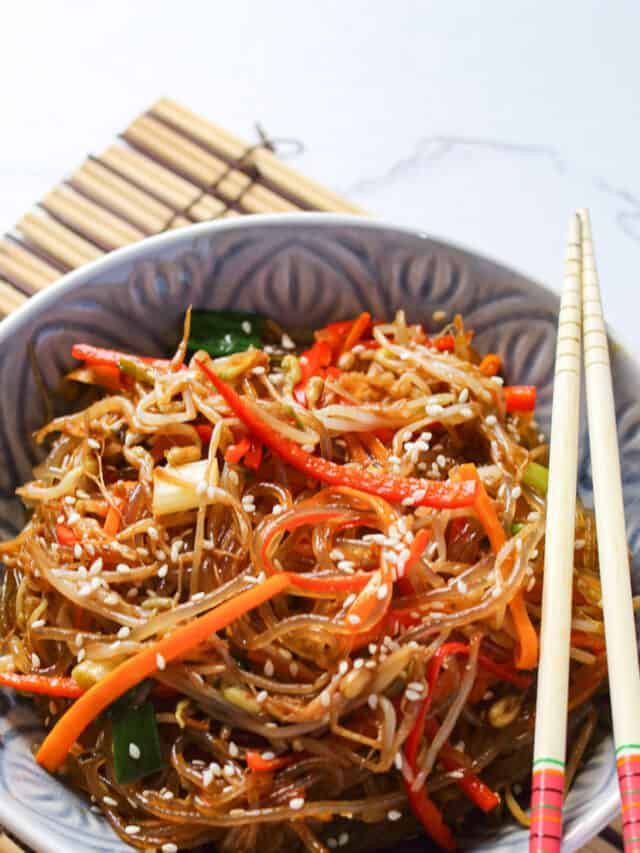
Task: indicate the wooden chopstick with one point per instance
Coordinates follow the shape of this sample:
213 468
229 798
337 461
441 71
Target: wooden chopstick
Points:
547 788
8 846
613 550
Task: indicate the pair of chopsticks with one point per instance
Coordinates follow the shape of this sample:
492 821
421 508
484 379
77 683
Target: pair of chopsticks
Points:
581 328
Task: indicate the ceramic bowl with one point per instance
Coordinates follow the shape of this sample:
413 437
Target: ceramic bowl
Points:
301 269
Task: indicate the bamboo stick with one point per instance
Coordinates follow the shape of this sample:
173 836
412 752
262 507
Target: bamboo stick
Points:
92 220
281 176
164 183
555 630
8 846
118 194
19 263
10 298
58 241
208 170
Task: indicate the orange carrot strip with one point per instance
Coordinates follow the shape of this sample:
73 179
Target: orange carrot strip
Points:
356 451
527 656
111 524
70 726
491 364
374 446
360 326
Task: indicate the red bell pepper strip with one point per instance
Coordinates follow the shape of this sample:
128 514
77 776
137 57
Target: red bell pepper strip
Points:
445 343
520 398
469 782
253 457
235 452
433 493
66 536
205 431
357 330
101 356
45 685
258 764
403 584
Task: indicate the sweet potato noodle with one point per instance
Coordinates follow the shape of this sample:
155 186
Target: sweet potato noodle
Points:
389 685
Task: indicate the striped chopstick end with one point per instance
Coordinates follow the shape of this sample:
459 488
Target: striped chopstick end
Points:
547 795
628 765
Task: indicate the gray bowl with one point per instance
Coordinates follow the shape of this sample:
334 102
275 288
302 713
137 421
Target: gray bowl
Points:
300 269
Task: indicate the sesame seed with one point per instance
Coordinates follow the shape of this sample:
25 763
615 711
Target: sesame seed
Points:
343 667
296 803
463 396
325 698
197 596
441 460
132 829
124 632
345 565
39 623
491 420
372 701
343 839
246 327
412 696
262 696
434 409
234 752
533 516
160 662
398 760
93 443
336 554
286 342
35 661
123 568
293 668
394 814
354 619
163 571
579 544
516 492
111 598
332 843
211 492
201 488
170 847
134 751
109 801
269 668
77 551
358 664
96 567
383 591
498 380
95 583
349 599
228 770
466 412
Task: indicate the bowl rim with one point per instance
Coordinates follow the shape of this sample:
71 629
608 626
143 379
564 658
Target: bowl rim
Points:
603 812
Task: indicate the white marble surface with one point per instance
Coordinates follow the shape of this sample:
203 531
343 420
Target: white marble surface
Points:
483 123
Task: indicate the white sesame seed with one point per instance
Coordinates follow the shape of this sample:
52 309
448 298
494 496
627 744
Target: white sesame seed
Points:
35 661
358 664
268 756
234 752
123 568
491 420
394 814
498 380
349 599
441 460
383 591
343 667
228 770
332 843
336 554
373 701
39 623
343 839
95 583
325 698
96 567
354 619
412 696
296 803
533 516
463 396
345 565
109 801
286 342
111 598
269 668
579 544
77 551
132 829
466 412
124 632
516 492
93 443
398 760
434 409
211 492
293 669
170 847
160 662
163 571
197 596
134 751
262 696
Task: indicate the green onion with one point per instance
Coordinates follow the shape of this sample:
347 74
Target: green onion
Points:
139 372
536 477
136 743
225 332
517 527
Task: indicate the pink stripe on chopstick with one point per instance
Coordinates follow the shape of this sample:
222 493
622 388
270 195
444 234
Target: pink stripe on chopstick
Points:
547 794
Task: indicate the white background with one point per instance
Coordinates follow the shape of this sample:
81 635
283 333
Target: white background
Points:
482 122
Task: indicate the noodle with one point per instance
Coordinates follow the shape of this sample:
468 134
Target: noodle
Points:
159 503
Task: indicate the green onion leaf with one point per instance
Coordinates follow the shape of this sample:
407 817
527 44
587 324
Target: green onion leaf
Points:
136 744
517 527
536 477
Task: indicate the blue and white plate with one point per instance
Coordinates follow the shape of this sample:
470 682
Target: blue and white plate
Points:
302 269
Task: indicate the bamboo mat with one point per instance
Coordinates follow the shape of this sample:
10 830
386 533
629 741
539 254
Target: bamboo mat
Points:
168 169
